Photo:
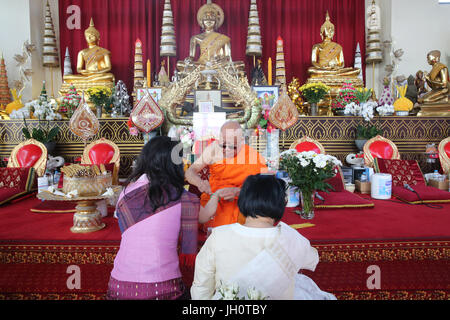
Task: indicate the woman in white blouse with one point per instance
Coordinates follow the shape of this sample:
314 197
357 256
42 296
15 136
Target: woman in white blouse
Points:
258 255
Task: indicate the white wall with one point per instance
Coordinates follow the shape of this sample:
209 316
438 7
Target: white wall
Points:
37 14
14 31
22 20
417 27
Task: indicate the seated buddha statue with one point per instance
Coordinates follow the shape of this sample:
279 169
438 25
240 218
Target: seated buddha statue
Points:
437 80
214 47
328 66
328 57
93 65
436 102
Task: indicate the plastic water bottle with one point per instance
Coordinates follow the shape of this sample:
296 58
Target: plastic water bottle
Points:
363 178
436 175
56 177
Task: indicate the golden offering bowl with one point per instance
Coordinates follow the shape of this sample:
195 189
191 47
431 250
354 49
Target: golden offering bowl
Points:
86 218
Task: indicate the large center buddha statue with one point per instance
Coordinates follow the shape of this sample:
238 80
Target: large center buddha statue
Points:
93 65
327 60
215 48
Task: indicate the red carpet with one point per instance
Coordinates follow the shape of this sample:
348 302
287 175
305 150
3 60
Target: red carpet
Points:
409 243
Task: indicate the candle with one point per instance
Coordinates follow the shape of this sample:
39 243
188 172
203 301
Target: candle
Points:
149 74
269 73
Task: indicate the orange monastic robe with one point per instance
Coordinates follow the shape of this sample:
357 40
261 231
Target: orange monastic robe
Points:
232 173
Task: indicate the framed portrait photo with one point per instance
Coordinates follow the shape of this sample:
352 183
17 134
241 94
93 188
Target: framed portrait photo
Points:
155 93
267 94
207 100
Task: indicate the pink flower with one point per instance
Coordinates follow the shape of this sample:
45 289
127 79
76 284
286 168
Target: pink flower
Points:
134 131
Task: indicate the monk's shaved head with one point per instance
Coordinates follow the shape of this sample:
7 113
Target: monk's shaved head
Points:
231 138
230 125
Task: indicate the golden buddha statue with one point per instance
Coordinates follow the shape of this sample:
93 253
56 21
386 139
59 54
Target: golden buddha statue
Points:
328 65
436 102
93 65
214 47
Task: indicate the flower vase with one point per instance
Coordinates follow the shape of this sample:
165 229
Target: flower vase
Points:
99 111
50 145
339 112
360 144
314 109
187 151
272 152
307 201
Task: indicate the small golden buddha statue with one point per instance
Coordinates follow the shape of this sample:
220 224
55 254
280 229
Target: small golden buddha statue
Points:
327 56
214 47
437 80
436 102
93 64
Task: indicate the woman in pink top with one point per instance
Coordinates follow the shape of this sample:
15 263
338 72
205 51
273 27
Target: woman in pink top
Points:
154 212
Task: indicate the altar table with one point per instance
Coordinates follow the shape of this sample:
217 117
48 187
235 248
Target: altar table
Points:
410 244
337 134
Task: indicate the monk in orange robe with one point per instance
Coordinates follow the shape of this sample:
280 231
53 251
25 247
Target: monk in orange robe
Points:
230 161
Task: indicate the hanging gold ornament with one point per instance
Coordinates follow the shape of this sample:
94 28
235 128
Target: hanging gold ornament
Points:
147 115
84 123
283 114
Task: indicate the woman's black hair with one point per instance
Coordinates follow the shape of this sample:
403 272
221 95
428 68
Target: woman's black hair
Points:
263 196
166 175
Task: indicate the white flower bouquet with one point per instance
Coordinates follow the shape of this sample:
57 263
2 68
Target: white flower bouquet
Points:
386 109
44 110
308 172
231 292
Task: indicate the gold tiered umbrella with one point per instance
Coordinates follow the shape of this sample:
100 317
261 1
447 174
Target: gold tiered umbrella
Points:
168 47
254 46
50 53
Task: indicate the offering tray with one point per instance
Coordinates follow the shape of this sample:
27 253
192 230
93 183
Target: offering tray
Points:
87 218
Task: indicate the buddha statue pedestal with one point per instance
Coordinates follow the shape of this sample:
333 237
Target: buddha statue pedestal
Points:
328 66
93 66
436 102
434 110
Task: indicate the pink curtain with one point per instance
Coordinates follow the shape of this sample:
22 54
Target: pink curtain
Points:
298 22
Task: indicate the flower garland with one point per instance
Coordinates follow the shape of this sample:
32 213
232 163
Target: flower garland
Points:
345 96
70 102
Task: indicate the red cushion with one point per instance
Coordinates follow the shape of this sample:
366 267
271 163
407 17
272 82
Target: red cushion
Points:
426 193
101 153
8 194
21 178
28 155
381 149
402 171
447 149
336 182
342 199
307 146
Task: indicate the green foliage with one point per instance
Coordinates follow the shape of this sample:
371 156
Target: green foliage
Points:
40 134
367 132
362 95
